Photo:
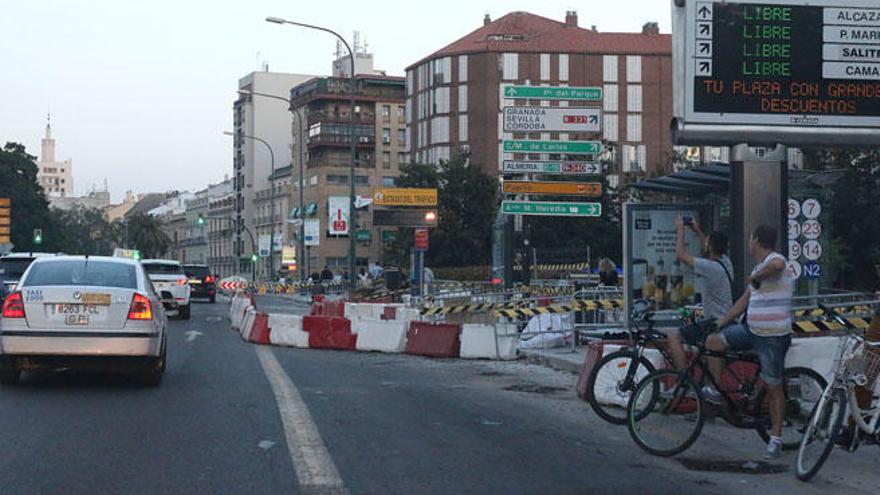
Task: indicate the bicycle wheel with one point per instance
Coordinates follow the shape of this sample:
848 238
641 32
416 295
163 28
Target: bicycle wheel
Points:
803 389
612 382
665 413
821 434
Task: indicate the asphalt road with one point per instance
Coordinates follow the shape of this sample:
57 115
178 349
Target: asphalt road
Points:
230 417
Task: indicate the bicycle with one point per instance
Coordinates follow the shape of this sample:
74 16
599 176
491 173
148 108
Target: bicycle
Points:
667 411
621 371
857 365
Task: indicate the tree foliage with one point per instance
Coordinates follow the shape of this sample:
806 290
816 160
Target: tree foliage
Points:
85 230
146 233
30 209
467 205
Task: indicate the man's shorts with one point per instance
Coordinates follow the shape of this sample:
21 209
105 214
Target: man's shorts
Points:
771 350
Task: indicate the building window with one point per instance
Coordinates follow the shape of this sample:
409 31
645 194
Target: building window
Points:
510 66
441 100
462 68
386 160
610 126
462 98
401 137
386 136
362 180
401 159
545 66
634 98
386 113
634 68
610 98
609 68
463 128
634 128
563 67
388 181
409 82
401 113
440 130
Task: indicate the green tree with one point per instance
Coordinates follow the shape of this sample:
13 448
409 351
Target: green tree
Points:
87 231
30 209
146 233
468 200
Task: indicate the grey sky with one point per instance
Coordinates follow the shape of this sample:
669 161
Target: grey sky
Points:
140 92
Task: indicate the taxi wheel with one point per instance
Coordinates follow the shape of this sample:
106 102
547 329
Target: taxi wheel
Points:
9 375
153 377
183 312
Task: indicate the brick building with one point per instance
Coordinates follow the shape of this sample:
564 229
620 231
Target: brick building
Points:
454 95
380 139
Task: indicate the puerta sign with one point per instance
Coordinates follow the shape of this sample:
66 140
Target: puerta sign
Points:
552 119
803 68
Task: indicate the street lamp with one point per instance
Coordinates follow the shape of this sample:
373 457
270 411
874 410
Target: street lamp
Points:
352 256
253 245
302 166
271 200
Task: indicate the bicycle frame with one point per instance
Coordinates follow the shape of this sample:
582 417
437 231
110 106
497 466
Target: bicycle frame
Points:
736 409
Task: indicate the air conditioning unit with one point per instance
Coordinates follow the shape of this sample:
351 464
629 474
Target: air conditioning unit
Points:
364 139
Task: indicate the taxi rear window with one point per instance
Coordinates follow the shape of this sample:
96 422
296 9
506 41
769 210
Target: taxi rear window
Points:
82 272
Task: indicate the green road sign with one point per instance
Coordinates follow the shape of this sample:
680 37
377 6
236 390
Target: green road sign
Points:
570 147
553 93
551 209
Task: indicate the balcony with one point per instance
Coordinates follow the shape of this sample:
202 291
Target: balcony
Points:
366 119
341 140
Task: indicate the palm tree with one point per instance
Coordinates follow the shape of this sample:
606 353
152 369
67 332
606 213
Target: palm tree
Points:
147 234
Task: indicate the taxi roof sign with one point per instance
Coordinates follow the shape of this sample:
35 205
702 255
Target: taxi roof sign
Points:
132 254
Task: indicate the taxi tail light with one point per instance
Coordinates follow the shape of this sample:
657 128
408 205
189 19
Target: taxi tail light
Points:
182 281
209 279
141 308
13 306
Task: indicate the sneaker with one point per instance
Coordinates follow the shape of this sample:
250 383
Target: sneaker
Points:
711 395
773 450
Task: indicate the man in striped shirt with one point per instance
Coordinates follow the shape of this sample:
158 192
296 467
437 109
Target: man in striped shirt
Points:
768 328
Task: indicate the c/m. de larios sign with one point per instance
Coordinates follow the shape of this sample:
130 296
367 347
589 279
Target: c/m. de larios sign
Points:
777 71
399 196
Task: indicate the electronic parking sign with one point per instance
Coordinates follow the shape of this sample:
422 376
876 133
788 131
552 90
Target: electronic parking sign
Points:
777 71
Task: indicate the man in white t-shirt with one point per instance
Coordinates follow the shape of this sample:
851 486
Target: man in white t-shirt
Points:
768 329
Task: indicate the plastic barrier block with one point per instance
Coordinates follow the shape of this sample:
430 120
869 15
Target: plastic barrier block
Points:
435 340
317 308
381 335
489 341
287 330
594 354
247 323
260 330
335 308
330 332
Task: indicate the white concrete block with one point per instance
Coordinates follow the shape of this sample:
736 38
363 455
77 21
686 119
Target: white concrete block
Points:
247 324
480 341
380 335
287 331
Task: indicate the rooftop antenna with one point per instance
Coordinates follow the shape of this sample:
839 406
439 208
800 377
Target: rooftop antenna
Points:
357 42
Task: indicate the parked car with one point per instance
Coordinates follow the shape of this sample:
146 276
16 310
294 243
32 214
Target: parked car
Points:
168 275
12 267
202 282
83 312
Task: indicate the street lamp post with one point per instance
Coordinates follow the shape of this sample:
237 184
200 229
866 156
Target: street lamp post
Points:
352 246
302 166
253 245
271 200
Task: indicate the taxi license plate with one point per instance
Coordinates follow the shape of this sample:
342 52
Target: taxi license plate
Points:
75 314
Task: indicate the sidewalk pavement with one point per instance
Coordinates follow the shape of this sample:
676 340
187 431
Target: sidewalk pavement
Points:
561 358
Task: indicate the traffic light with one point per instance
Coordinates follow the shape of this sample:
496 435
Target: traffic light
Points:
254 257
38 236
201 220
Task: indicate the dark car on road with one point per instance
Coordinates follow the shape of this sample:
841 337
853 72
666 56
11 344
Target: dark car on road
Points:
202 282
12 267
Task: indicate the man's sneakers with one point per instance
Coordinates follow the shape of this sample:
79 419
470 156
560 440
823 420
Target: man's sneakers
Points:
774 449
711 395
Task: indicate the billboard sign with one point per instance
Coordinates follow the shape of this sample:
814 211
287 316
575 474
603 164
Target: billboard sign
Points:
339 215
800 69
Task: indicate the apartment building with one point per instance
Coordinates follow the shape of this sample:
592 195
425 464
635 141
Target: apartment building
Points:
55 176
454 99
280 181
260 124
197 232
222 257
380 140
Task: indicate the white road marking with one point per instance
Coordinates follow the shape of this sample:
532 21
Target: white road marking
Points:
266 444
192 334
314 467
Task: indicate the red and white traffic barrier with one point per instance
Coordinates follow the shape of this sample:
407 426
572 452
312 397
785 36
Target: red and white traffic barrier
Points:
287 330
381 335
489 341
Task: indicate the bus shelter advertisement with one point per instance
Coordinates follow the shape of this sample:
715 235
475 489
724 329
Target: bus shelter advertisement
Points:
653 272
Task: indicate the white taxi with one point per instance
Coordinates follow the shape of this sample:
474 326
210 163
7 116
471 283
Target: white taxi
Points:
168 275
83 312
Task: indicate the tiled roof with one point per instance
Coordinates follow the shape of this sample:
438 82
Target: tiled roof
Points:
525 32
